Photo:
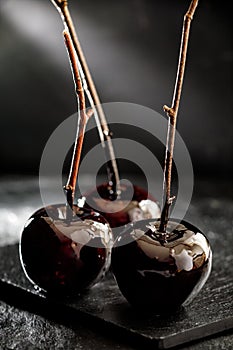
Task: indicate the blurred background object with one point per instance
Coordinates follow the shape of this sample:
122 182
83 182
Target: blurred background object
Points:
132 49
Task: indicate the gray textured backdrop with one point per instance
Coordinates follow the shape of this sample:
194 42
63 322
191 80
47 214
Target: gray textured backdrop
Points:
132 50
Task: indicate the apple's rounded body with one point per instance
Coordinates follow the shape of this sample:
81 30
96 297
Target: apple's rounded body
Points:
133 204
63 257
157 271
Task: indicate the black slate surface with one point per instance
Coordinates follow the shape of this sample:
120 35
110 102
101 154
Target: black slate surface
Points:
103 318
208 314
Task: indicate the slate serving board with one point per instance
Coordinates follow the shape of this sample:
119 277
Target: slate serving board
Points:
104 306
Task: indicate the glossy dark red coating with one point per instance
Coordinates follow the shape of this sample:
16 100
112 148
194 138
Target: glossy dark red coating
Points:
63 258
158 272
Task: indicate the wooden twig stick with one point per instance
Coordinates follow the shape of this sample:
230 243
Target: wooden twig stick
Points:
104 132
172 113
82 122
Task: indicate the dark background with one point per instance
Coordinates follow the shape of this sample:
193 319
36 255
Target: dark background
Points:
132 49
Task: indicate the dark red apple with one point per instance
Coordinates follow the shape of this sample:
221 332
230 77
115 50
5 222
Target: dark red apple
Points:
161 271
64 257
133 204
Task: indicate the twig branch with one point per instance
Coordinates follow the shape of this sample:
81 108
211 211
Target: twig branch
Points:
82 122
172 113
103 129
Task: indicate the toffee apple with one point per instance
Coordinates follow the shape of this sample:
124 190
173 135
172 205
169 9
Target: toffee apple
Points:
65 257
163 263
112 199
160 271
63 248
